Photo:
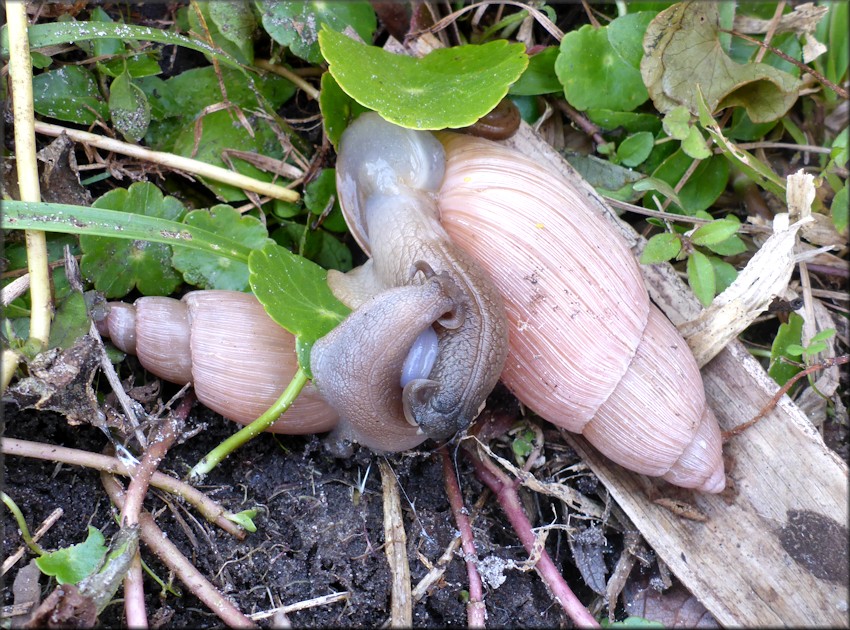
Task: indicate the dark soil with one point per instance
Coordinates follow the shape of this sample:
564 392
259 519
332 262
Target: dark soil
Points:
316 533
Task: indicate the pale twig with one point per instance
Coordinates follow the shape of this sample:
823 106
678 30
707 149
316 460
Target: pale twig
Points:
211 510
170 555
324 600
177 162
20 74
166 434
395 546
54 516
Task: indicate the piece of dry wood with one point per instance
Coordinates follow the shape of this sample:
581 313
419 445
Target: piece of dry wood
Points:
779 472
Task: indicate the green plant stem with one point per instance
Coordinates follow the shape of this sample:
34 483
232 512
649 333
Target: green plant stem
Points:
289 75
22 524
177 162
249 432
20 73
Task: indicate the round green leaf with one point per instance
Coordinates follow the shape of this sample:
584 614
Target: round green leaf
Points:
677 122
636 148
297 24
695 146
448 88
295 294
209 271
72 564
116 265
594 75
128 108
338 108
221 132
701 277
661 247
626 36
539 77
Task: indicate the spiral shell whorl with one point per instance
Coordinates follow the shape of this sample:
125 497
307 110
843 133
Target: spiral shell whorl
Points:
223 342
588 352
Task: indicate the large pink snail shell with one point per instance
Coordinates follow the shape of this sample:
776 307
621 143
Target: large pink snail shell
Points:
588 352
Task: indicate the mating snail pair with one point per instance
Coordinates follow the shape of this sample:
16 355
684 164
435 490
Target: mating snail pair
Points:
484 266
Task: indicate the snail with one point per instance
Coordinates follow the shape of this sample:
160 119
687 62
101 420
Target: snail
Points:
471 241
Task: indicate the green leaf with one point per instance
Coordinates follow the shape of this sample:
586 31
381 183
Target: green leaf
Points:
659 185
539 77
317 245
626 33
222 132
594 75
116 266
54 33
69 93
695 146
297 24
732 246
210 271
701 277
636 148
317 197
788 338
74 563
609 179
128 108
826 333
231 26
677 122
338 108
682 50
245 519
70 322
630 121
138 66
716 231
69 219
448 88
295 294
104 47
661 247
703 187
724 274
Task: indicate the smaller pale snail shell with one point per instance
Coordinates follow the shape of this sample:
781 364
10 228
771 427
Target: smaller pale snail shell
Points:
238 360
